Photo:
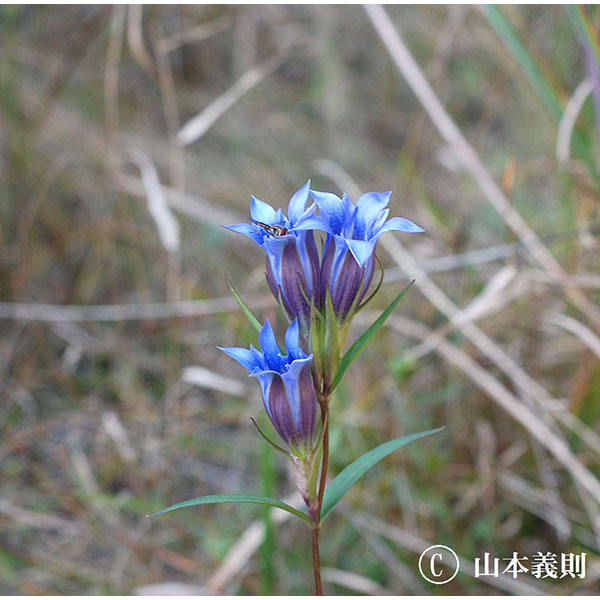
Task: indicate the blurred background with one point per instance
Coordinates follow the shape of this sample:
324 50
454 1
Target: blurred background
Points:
129 134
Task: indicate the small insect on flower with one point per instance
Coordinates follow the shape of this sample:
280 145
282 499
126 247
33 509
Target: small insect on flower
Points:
274 230
292 259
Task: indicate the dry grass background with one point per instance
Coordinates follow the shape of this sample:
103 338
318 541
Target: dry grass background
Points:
128 135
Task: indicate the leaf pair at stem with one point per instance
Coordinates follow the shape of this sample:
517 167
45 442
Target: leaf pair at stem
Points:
334 492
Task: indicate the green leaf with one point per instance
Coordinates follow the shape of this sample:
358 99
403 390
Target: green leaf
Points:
253 320
580 19
354 471
510 38
234 498
362 341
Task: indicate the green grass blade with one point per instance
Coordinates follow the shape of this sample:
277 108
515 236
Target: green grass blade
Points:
354 471
253 320
234 498
582 21
362 341
507 34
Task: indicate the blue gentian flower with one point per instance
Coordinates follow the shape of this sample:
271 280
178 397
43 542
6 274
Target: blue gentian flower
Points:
287 386
348 260
291 254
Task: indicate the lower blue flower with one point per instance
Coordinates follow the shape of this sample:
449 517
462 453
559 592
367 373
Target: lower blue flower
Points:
287 386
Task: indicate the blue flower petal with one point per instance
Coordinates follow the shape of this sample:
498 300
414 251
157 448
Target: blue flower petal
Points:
259 358
400 224
264 373
269 346
298 201
295 367
349 216
376 201
291 380
307 214
332 210
313 222
252 231
377 224
265 379
292 341
368 212
244 356
361 250
263 213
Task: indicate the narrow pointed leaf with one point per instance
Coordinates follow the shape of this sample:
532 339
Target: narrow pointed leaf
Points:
580 19
540 83
507 34
354 471
234 498
253 320
362 341
268 440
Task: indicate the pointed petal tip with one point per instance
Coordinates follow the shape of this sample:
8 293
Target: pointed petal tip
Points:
263 372
268 342
413 229
297 203
262 211
362 250
250 231
401 224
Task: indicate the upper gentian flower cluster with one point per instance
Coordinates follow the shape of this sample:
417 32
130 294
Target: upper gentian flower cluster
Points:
287 386
319 267
299 275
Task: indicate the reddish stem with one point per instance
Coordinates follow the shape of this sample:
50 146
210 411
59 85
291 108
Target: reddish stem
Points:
317 526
